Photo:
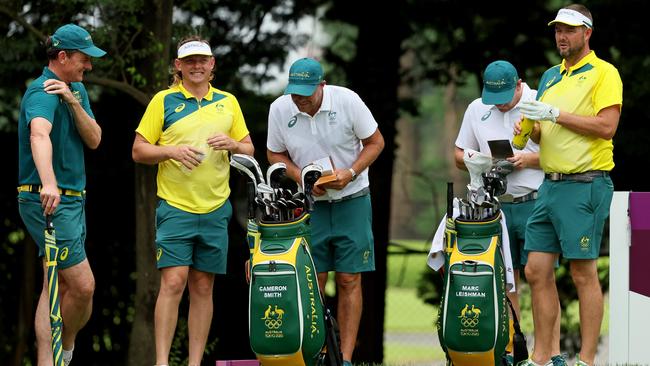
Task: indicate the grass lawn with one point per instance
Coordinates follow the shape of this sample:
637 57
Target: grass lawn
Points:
410 337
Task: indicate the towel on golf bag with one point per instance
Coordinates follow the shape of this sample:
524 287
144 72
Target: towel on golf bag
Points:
286 320
436 258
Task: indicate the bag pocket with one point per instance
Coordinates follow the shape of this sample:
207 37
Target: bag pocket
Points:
275 311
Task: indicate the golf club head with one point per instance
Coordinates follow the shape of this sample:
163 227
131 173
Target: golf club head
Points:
309 175
275 173
247 164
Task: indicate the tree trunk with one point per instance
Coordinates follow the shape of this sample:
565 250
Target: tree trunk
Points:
452 125
26 301
157 22
141 344
374 75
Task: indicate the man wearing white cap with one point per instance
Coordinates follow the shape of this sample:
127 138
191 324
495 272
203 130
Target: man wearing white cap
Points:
577 112
189 130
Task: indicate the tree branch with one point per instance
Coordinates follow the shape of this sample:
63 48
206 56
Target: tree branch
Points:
140 96
15 16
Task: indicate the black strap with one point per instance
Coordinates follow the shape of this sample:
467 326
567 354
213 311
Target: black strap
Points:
519 347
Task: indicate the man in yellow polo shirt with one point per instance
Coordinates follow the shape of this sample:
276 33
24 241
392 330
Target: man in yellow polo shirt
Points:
577 112
189 130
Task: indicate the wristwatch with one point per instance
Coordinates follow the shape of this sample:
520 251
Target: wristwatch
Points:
354 174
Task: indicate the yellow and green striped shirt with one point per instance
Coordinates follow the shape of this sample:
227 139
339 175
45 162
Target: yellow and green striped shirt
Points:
176 117
585 89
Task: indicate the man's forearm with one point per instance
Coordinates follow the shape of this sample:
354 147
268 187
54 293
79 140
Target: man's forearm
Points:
88 129
42 154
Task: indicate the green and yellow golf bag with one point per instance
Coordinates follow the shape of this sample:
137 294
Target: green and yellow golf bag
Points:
473 324
287 324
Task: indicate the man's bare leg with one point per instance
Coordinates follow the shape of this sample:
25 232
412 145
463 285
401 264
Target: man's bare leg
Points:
541 277
78 286
172 285
200 285
590 297
349 310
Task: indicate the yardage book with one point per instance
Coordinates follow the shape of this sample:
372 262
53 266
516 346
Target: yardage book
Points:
328 170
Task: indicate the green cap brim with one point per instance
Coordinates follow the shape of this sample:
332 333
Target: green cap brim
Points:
306 90
501 97
93 51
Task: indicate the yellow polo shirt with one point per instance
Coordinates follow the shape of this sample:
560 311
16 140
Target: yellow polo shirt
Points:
176 117
585 89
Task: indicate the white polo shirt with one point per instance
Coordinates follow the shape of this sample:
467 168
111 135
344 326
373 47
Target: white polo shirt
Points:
336 130
485 122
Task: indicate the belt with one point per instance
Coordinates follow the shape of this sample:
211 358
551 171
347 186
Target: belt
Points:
507 198
587 177
36 188
360 193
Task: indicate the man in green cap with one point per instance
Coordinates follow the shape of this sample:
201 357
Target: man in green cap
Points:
55 123
314 121
577 111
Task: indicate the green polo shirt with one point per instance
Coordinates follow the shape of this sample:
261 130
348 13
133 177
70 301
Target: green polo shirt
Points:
67 146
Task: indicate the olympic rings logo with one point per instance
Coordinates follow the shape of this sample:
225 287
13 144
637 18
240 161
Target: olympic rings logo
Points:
469 322
273 323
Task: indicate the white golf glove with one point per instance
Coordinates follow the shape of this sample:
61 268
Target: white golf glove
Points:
539 111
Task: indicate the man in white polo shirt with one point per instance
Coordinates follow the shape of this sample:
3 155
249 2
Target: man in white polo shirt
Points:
492 117
312 121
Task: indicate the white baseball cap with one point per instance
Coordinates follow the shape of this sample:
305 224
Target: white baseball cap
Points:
572 18
194 48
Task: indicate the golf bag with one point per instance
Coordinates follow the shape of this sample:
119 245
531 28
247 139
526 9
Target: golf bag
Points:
288 322
473 324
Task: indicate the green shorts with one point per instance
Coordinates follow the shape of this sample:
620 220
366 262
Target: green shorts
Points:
188 239
569 218
69 225
517 215
341 237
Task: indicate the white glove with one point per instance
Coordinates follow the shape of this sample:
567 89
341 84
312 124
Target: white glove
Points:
539 111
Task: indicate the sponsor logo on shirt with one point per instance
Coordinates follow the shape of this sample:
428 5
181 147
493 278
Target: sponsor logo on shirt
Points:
180 107
331 118
219 107
486 116
292 121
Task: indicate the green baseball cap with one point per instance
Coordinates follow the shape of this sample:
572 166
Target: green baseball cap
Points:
304 76
499 83
73 37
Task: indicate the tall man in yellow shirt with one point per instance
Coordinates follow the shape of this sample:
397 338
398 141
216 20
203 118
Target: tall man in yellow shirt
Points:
189 130
578 108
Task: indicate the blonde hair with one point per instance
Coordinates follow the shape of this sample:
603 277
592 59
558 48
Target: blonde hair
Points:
177 77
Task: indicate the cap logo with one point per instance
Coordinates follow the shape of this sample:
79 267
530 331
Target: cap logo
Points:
497 83
89 38
56 43
300 75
